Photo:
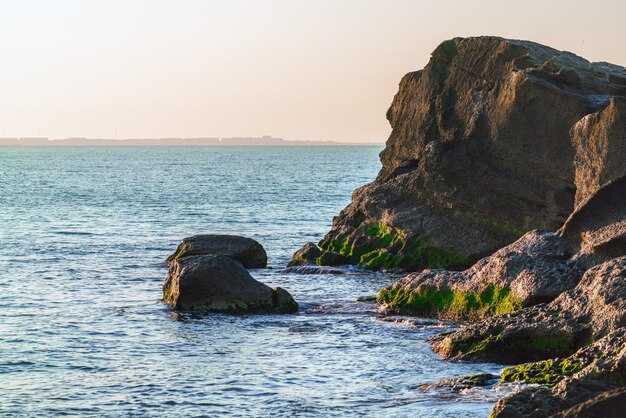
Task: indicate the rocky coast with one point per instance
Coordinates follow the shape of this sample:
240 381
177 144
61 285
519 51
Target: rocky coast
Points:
502 195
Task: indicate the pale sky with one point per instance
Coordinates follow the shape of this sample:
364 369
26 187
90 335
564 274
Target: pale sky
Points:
301 70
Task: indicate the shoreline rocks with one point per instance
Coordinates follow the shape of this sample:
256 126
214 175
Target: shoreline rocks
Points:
495 144
536 268
207 272
594 308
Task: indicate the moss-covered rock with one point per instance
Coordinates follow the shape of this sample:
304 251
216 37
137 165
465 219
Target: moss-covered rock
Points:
546 372
492 340
578 317
536 268
448 303
330 258
377 246
306 254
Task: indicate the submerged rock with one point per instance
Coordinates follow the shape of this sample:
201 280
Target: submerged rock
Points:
458 384
478 156
221 284
245 250
308 269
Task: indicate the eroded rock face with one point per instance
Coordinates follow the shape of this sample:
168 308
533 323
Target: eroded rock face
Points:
600 143
245 250
493 138
598 225
221 284
590 311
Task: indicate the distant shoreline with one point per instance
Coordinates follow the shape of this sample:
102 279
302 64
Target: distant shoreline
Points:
266 141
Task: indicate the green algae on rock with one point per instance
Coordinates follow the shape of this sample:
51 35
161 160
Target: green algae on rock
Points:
535 268
546 372
577 318
379 246
448 303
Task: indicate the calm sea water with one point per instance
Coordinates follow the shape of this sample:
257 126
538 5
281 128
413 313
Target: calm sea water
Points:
83 236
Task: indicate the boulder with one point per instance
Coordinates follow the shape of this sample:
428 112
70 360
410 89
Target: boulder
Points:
245 250
598 225
607 404
219 283
478 155
311 254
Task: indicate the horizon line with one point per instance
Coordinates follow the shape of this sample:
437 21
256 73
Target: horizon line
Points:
266 140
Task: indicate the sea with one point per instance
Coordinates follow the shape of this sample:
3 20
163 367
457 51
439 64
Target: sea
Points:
84 233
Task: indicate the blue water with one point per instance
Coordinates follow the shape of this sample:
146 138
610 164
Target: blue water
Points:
83 236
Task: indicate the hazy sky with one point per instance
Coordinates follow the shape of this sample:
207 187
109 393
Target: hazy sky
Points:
319 70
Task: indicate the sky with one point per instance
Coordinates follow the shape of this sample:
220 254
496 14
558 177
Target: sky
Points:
300 70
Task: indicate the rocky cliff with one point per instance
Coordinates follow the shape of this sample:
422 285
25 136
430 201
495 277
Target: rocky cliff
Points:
493 138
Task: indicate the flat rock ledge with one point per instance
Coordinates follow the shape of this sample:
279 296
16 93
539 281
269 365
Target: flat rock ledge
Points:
207 272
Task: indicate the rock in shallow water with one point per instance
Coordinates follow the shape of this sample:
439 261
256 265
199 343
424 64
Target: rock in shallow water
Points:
221 284
308 269
245 250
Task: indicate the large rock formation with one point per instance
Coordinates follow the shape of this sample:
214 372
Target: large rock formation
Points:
493 138
579 338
